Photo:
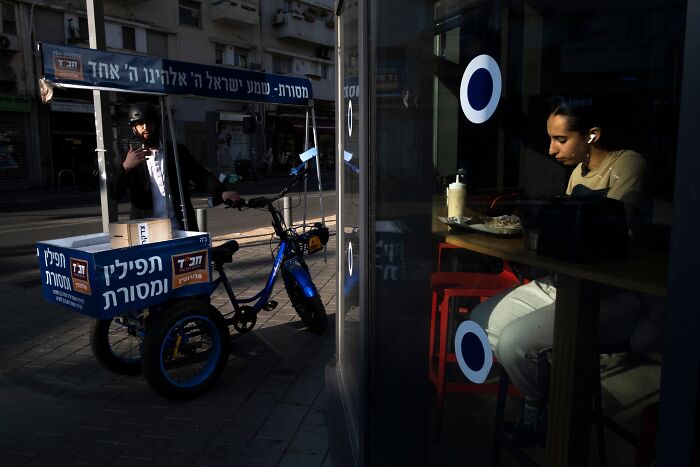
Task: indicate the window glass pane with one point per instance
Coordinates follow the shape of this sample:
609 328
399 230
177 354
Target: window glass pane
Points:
52 25
157 43
128 38
9 21
189 13
352 319
84 31
562 119
281 64
219 53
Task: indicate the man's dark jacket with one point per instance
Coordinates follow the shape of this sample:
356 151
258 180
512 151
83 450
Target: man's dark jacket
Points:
138 183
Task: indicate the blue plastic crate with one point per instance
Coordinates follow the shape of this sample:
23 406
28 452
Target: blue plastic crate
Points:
86 275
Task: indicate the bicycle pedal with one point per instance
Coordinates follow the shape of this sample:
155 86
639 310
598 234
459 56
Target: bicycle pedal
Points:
269 306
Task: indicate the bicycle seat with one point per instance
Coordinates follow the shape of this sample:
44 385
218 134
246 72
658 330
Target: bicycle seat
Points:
224 252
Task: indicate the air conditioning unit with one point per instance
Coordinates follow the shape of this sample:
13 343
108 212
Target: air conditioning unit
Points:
279 18
9 42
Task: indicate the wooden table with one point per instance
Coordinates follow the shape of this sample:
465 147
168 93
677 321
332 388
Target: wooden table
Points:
575 324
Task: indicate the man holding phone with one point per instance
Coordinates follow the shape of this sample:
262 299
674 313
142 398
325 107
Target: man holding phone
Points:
148 172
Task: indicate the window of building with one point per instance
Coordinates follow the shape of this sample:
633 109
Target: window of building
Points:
241 59
190 13
281 64
219 50
9 20
230 55
327 71
51 29
128 38
76 29
157 43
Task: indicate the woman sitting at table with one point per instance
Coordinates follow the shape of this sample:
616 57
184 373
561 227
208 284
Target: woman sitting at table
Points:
520 322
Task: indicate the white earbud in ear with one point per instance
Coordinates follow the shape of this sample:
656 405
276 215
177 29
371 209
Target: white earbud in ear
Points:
591 137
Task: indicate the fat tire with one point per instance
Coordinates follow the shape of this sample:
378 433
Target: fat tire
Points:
102 345
310 309
156 340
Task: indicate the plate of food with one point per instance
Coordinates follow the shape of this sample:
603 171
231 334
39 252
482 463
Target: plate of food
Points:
456 221
501 225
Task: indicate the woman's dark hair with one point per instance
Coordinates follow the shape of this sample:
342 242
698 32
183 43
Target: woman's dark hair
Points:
584 114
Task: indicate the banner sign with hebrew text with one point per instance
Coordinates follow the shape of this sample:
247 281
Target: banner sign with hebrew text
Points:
97 69
85 274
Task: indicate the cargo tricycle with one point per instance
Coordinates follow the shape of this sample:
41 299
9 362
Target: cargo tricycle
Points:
151 302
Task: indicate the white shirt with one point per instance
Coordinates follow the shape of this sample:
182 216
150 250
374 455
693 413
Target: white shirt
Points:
162 202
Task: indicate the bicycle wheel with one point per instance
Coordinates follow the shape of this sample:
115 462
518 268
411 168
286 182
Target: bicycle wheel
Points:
185 350
310 309
116 343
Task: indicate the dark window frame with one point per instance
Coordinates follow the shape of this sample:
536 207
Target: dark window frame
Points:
9 18
130 43
195 13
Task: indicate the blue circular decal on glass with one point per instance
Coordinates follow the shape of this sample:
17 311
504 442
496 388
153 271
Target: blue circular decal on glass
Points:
473 351
480 89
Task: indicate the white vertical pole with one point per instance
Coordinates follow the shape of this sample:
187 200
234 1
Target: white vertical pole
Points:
202 219
177 163
287 210
103 122
306 146
318 164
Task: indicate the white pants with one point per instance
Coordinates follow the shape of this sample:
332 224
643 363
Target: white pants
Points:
520 327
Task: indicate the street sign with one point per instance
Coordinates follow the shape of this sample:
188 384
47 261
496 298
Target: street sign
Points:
97 69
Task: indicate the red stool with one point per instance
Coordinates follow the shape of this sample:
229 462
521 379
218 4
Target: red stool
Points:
447 286
647 436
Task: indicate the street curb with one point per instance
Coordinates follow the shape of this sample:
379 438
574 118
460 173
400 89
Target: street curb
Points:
245 238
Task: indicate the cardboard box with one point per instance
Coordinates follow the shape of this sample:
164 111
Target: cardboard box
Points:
139 232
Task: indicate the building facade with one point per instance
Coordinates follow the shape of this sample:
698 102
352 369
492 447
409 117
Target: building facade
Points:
53 145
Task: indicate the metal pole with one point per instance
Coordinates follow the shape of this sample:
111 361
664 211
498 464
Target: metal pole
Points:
318 162
287 210
306 146
318 172
103 121
202 219
177 163
164 142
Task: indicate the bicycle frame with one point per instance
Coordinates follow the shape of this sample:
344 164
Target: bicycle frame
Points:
289 257
262 297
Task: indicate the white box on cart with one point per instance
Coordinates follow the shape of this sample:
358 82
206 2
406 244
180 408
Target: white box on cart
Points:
139 232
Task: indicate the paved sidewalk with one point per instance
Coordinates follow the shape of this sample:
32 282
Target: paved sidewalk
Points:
59 407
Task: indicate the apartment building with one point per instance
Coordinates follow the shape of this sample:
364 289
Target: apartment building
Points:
53 144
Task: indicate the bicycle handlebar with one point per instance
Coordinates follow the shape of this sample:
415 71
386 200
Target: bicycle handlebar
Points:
261 202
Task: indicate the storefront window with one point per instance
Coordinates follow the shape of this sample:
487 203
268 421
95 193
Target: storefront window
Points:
350 352
520 169
500 69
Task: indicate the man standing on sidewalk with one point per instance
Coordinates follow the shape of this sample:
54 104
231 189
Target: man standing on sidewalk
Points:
149 174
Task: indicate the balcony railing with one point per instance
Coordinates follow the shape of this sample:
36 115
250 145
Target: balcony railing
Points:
241 13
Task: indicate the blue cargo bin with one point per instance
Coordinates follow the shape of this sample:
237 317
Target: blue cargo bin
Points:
87 275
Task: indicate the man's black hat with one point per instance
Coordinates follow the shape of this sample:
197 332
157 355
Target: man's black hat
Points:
143 111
